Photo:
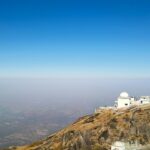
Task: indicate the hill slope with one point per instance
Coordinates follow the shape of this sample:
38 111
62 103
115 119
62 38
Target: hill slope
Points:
99 131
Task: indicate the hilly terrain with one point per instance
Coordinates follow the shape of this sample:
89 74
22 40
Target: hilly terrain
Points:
99 131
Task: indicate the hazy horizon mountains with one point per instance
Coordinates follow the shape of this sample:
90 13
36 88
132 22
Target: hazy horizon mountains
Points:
31 109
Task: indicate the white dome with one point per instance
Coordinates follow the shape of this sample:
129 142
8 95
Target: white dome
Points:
124 95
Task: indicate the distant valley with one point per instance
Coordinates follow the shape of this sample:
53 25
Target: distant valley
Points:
19 128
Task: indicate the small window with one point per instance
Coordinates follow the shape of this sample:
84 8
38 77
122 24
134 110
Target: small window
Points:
141 102
126 104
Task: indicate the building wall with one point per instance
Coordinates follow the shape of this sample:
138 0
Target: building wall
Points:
126 146
123 102
117 148
118 145
144 100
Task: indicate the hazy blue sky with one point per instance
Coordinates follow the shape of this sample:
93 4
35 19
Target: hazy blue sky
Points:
42 38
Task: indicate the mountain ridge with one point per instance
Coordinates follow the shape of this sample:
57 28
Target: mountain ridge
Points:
99 131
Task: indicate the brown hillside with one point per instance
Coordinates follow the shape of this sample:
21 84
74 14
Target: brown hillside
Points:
99 131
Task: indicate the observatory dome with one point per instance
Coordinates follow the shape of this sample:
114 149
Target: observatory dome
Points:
124 95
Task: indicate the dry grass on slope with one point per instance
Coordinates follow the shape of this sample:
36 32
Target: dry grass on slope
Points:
99 131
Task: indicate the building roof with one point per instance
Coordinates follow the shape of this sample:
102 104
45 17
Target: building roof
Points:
124 95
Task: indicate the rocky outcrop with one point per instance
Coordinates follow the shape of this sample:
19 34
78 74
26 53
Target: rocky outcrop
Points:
99 131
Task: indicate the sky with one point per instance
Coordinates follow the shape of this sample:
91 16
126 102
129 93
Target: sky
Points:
75 38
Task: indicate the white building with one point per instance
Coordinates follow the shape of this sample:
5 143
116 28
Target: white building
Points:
124 100
144 100
119 145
